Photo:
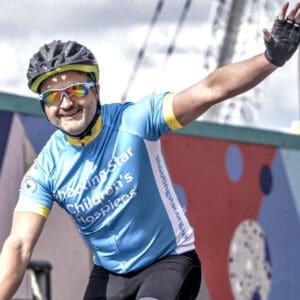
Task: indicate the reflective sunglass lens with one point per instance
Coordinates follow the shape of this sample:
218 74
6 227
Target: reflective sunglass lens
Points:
53 98
76 91
73 92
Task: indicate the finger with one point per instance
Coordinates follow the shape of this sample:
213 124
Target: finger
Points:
283 11
297 18
294 12
267 34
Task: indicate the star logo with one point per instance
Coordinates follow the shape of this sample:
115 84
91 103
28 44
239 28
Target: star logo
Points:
29 184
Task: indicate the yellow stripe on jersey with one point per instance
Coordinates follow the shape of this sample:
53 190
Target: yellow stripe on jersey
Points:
89 138
32 207
169 113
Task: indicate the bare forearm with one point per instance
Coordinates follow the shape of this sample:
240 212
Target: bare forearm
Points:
13 263
237 78
224 83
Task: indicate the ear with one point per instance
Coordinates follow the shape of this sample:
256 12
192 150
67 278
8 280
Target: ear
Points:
97 88
97 92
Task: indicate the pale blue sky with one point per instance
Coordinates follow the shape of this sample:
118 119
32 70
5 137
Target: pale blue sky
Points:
114 30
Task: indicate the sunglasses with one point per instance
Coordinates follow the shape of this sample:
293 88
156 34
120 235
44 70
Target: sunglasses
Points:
73 92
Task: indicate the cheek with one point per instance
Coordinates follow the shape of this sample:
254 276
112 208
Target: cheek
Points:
89 104
50 111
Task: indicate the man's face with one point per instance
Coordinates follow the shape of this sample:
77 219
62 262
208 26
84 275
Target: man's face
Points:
71 115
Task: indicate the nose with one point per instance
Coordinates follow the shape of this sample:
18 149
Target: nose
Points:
65 102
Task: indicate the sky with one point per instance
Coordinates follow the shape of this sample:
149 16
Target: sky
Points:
115 31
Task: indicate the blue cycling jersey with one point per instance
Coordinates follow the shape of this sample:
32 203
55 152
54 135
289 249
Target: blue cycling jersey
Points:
115 185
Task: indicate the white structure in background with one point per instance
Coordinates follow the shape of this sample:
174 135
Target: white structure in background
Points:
236 34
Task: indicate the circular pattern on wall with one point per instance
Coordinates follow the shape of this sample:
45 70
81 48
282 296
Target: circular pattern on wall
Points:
249 262
234 163
265 179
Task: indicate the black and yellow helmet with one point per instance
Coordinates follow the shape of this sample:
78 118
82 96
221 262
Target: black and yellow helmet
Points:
57 57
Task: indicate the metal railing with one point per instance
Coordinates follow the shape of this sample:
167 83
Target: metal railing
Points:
40 274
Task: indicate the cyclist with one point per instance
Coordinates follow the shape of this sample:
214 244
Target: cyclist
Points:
104 166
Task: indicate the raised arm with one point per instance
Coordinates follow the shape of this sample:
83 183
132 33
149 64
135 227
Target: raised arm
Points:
234 79
17 250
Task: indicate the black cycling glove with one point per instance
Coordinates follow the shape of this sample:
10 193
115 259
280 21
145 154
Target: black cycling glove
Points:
284 41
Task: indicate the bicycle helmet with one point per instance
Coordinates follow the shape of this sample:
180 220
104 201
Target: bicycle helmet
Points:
57 57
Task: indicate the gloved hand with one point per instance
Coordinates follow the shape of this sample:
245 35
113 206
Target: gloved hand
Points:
284 39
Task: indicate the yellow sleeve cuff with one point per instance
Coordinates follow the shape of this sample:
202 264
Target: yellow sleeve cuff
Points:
169 113
34 208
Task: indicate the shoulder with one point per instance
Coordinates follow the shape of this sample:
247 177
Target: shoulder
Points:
112 114
112 110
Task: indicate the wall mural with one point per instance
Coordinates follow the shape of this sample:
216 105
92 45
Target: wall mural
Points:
244 202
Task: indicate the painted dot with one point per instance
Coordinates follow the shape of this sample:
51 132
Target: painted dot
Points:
234 163
256 296
265 179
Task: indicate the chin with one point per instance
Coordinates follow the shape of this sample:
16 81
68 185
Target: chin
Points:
74 132
74 129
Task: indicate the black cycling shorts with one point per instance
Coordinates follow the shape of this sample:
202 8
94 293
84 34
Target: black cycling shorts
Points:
175 277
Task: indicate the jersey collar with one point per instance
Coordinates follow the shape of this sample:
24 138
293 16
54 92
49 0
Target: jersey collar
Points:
89 138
